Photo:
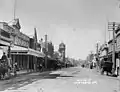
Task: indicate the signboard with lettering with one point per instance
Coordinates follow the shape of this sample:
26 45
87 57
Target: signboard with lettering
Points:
19 41
8 28
118 43
110 49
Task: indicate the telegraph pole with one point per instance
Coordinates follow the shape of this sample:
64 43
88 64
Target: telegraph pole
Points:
113 54
46 51
97 57
112 26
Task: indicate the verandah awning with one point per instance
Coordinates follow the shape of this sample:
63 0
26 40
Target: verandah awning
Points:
35 53
19 49
26 51
4 43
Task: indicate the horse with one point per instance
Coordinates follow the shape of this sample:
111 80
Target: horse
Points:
3 71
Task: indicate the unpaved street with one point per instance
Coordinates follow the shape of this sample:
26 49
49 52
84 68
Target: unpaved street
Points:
66 80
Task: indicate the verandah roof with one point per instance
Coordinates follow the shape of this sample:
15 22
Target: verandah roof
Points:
26 51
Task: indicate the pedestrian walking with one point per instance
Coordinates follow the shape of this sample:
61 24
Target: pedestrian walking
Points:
15 68
40 67
4 57
97 63
4 60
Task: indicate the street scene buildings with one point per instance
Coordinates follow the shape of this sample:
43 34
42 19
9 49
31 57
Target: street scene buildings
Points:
50 59
25 50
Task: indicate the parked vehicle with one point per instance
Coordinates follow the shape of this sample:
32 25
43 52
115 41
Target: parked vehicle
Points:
106 66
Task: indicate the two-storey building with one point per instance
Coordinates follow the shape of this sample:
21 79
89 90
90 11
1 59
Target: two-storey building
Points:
5 40
21 52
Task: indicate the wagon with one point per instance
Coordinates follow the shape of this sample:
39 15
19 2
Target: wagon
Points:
5 70
106 67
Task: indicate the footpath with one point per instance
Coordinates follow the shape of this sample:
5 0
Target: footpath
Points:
25 72
23 78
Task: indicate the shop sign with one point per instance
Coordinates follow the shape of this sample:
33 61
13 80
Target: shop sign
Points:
24 37
118 43
8 28
21 42
111 47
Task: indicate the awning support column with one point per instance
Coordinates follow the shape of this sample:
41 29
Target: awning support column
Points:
28 63
35 61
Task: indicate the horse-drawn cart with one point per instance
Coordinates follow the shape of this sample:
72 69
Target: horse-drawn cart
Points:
106 66
6 69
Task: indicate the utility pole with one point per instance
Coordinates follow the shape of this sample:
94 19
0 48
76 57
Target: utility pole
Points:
46 51
97 57
113 54
112 27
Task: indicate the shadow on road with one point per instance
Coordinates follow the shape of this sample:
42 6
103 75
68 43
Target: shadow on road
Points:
23 80
53 76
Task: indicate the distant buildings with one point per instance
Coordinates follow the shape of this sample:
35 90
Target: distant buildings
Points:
62 49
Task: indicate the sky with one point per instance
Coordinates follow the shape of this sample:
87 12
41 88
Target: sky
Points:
80 24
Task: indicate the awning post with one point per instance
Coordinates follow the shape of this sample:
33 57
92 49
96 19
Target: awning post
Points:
28 63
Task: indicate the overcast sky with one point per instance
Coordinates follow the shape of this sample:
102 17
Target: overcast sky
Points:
78 23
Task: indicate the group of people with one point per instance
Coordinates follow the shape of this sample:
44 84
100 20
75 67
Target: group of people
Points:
3 66
6 67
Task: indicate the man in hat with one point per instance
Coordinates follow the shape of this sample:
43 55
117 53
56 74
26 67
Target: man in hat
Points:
4 57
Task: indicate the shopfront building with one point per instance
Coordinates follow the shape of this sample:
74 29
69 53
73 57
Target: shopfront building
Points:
5 40
21 52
